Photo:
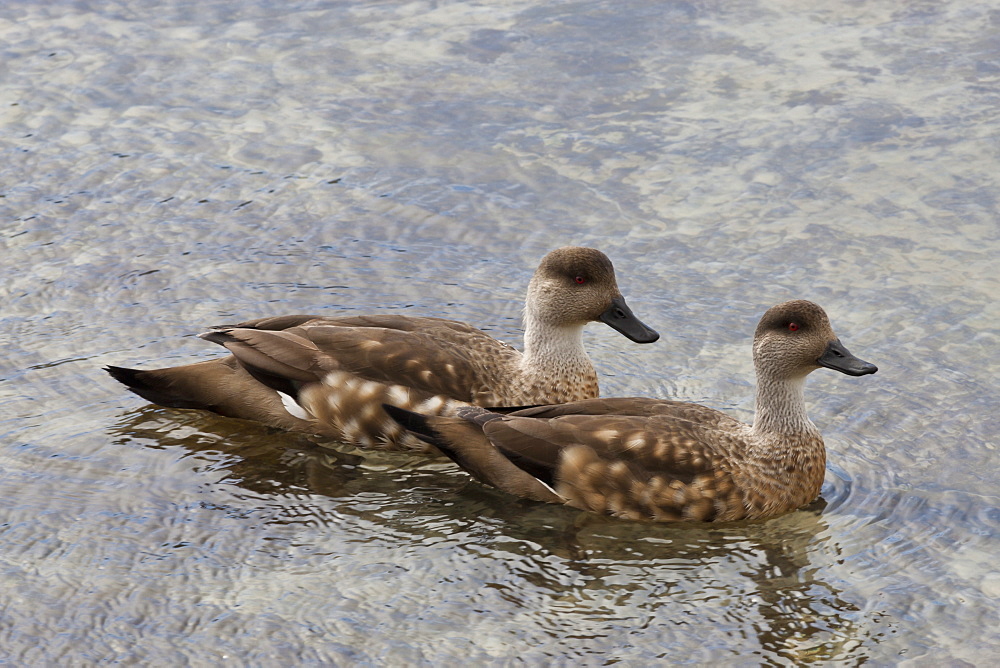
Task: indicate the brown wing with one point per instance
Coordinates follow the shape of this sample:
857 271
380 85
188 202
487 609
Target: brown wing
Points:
274 323
402 323
432 355
680 445
669 462
626 406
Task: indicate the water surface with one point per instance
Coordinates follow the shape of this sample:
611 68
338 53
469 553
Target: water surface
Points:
170 166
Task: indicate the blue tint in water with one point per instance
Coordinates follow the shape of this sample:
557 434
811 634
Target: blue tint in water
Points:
170 166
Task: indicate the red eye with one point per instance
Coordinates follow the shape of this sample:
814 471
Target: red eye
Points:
793 327
580 279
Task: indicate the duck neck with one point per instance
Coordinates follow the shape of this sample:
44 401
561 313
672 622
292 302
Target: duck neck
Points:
554 350
781 406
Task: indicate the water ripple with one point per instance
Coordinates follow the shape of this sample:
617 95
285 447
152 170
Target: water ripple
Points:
171 166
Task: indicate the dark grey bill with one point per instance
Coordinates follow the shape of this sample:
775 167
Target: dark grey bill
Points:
839 358
620 317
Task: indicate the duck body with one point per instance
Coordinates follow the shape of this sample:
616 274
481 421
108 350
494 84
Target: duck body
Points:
652 459
331 375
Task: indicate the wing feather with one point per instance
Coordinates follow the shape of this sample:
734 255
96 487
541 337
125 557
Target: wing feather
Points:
431 355
673 444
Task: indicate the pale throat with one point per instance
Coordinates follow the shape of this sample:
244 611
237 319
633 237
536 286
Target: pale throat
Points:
781 406
554 348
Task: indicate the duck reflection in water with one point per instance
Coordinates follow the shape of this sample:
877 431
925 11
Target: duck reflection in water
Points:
754 578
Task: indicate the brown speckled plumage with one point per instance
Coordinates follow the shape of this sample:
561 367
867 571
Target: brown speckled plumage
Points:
641 458
331 375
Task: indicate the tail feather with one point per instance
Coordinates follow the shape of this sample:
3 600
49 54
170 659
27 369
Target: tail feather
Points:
148 385
462 439
420 427
218 385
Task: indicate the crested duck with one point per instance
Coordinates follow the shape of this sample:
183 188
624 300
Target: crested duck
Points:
331 375
663 460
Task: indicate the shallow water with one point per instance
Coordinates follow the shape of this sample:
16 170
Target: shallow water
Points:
170 166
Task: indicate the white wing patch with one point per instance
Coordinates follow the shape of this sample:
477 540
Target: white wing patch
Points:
293 407
548 487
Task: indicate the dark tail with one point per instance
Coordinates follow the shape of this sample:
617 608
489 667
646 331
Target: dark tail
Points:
418 425
463 439
148 385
